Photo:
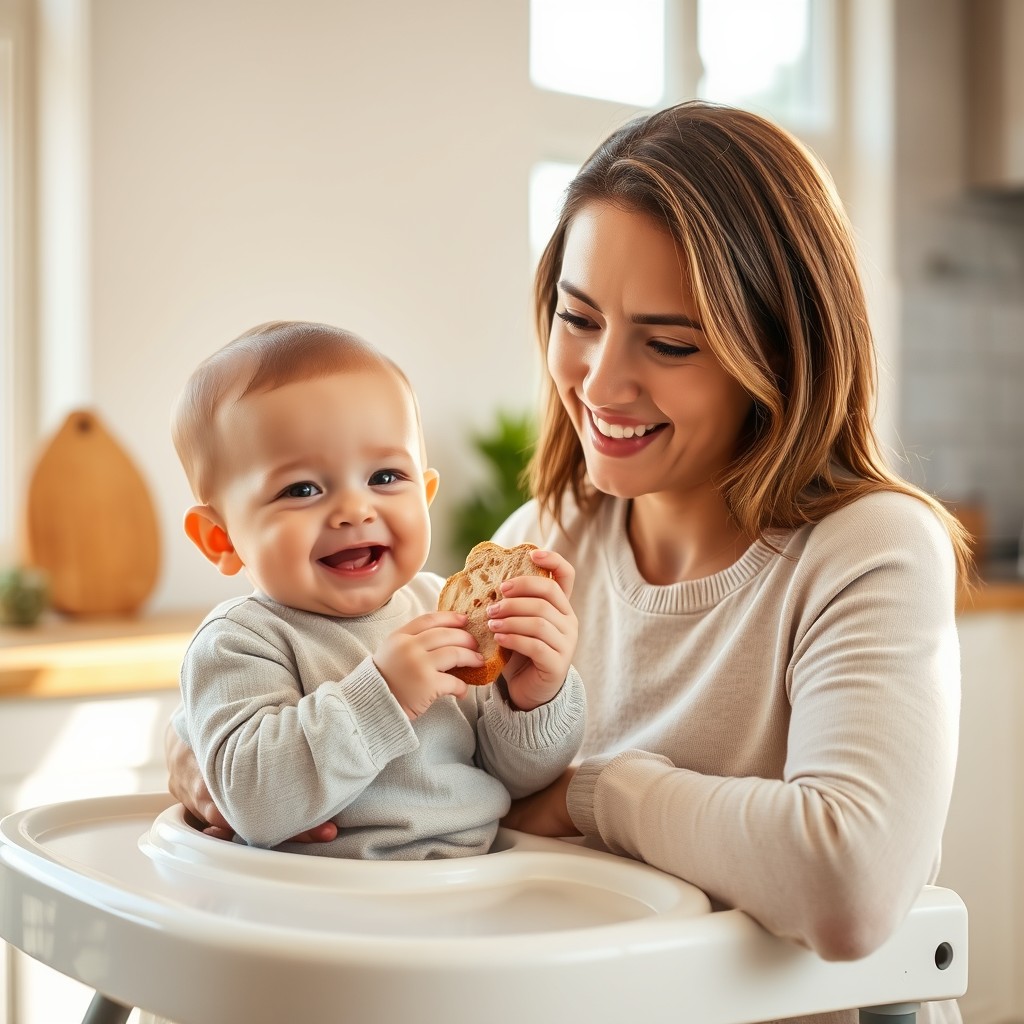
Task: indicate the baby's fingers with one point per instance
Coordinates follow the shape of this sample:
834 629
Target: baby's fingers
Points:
441 637
447 658
530 609
549 590
433 620
564 574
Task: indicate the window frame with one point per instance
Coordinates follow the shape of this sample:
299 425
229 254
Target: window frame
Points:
18 378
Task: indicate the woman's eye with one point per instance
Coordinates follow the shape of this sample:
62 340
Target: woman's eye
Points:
664 348
581 323
306 489
383 477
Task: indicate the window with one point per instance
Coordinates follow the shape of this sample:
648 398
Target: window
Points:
778 64
595 63
605 49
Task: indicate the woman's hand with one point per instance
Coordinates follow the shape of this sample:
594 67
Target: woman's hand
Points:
534 620
545 813
185 783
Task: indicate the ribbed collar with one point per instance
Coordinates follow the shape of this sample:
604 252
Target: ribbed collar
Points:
674 598
398 606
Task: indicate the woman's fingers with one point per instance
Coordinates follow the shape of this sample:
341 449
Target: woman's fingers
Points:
318 834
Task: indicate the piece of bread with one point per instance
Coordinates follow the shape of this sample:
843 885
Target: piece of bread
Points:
472 589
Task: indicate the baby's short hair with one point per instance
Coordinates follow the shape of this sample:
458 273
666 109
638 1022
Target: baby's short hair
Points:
262 359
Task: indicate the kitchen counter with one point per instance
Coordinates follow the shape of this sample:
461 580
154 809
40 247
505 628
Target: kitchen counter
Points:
1000 589
88 657
93 657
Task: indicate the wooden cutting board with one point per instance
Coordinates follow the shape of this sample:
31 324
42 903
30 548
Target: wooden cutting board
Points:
91 523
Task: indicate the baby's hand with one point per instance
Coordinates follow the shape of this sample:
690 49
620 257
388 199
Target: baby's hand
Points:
534 620
416 659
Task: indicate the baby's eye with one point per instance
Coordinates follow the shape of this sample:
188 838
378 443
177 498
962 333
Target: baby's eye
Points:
305 489
383 477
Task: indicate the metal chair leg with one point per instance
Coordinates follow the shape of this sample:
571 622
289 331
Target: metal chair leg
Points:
897 1013
105 1011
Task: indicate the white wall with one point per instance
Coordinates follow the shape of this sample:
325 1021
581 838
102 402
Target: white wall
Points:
358 163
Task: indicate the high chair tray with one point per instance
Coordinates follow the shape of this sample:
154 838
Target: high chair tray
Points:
123 895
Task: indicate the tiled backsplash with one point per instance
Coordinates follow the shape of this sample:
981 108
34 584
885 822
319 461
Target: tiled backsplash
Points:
961 374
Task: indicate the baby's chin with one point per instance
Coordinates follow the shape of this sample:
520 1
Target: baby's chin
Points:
340 609
352 608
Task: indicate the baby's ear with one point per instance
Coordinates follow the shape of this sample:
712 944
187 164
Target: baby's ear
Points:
204 530
431 479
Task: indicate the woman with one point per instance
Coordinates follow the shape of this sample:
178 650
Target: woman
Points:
766 611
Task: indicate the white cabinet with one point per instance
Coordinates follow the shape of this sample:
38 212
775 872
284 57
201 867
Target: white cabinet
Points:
69 749
983 847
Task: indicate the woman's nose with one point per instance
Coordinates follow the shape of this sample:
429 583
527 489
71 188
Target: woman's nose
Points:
610 376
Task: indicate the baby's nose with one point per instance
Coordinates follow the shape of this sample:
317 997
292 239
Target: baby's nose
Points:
351 509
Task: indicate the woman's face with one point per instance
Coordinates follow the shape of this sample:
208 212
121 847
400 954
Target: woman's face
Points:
653 408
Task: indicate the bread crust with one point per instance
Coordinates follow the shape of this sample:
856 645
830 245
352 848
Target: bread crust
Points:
472 589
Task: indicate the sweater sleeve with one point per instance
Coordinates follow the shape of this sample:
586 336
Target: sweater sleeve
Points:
833 853
277 762
528 750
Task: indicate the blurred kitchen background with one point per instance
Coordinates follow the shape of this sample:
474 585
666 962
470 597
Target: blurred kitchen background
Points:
172 173
175 173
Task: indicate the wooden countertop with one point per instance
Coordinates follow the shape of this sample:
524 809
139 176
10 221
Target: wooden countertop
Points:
62 657
992 596
1000 589
87 657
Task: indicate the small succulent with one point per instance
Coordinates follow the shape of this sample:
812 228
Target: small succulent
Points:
24 595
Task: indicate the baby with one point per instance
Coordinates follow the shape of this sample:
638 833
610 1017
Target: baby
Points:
326 694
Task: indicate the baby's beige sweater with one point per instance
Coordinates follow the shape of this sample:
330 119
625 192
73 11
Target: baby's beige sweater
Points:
783 734
293 725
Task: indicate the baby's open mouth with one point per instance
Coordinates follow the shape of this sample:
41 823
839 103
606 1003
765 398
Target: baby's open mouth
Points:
354 558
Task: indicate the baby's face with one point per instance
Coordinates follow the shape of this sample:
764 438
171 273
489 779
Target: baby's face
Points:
323 491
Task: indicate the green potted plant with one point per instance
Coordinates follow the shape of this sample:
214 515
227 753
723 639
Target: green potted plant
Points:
505 448
24 595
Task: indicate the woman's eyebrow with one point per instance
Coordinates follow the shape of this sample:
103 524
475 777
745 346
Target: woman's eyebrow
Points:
646 319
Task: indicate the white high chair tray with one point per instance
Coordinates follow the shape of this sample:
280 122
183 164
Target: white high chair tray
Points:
123 895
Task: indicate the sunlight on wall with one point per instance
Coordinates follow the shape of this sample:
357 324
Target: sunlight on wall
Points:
102 748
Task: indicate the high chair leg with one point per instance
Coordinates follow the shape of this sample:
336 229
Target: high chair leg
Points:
105 1011
897 1013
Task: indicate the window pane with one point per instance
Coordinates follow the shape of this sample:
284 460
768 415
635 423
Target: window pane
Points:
766 55
607 49
548 182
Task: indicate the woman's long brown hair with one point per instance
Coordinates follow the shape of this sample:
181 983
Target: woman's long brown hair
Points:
773 271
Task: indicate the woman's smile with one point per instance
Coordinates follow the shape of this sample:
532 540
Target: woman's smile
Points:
620 437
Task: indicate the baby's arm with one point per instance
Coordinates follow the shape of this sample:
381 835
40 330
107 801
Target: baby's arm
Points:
534 620
528 750
277 762
532 726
